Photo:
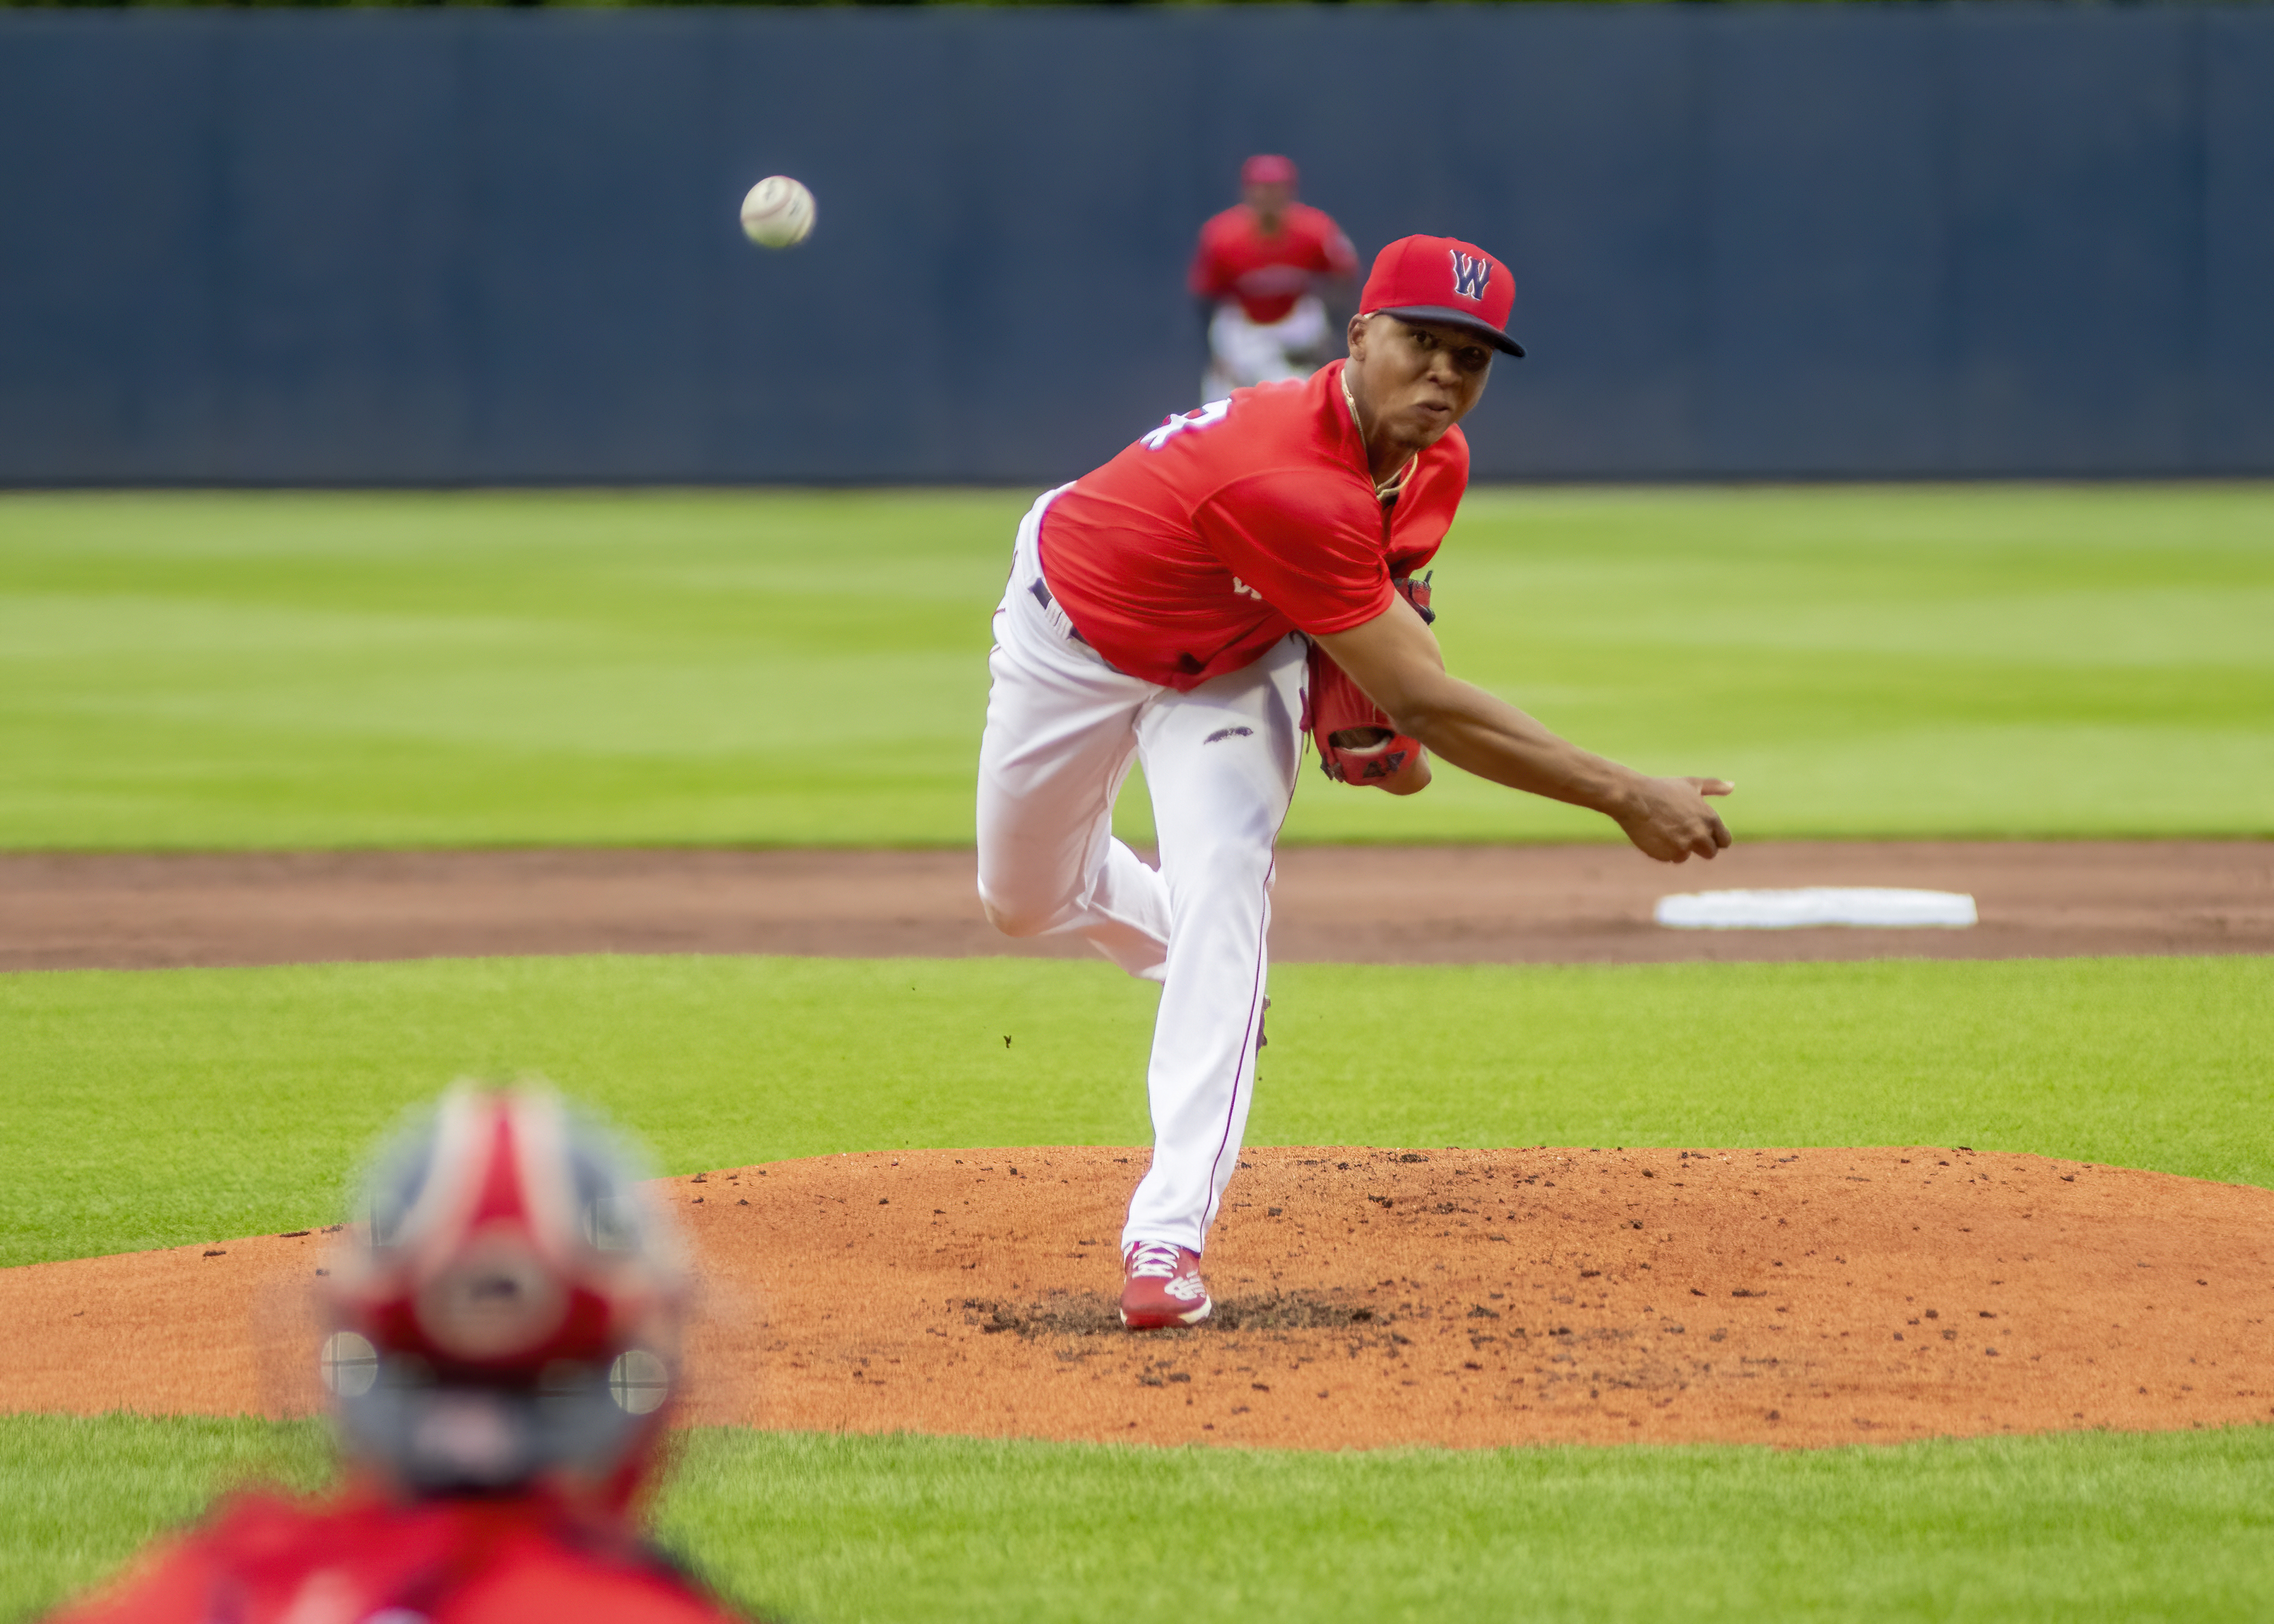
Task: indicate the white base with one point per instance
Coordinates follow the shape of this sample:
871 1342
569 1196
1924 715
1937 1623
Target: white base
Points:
1817 905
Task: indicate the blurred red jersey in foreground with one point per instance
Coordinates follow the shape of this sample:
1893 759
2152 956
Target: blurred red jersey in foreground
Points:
514 1559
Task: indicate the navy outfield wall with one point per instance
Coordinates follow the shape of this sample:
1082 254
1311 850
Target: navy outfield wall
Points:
378 247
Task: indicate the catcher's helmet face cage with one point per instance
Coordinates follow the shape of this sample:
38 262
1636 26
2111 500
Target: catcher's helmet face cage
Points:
508 1307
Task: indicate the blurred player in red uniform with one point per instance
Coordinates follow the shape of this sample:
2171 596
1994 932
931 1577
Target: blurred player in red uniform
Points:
1258 265
502 1359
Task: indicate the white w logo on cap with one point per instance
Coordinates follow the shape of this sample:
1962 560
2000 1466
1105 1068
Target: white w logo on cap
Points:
1470 275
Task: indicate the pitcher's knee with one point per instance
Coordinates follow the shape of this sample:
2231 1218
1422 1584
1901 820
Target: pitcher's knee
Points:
1016 918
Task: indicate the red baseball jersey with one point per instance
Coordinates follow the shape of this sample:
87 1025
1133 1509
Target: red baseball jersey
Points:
1267 275
1225 529
510 1560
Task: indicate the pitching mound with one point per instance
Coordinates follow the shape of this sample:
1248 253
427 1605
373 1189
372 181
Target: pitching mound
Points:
1365 1297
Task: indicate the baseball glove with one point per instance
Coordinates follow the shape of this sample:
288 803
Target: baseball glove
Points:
1356 744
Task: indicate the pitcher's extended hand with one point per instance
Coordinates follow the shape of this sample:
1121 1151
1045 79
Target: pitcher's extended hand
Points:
1670 821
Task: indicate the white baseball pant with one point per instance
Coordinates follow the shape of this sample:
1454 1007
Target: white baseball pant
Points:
1063 728
1243 353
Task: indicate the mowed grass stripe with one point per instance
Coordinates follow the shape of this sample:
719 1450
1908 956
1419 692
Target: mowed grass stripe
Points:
837 1528
150 1108
250 670
2053 1527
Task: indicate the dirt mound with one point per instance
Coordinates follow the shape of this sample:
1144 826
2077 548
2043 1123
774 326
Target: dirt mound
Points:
1366 1297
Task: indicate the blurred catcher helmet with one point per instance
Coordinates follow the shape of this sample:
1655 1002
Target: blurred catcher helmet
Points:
508 1306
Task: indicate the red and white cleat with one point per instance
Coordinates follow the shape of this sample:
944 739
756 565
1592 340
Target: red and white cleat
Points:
1161 1286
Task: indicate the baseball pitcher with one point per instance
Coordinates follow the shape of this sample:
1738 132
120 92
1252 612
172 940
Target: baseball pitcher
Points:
1241 574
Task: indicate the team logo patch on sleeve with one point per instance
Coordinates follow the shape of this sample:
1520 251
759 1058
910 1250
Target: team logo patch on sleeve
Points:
1472 273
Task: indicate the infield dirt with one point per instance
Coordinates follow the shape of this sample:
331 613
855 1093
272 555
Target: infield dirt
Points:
1366 1297
1580 904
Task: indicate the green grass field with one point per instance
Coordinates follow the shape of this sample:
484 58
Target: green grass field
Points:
810 1527
234 672
148 1108
154 1109
259 671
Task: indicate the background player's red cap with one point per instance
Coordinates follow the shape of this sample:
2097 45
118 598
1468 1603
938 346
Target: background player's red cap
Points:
1266 169
1443 279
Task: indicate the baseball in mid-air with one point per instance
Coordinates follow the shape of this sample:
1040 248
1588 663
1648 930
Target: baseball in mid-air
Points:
778 213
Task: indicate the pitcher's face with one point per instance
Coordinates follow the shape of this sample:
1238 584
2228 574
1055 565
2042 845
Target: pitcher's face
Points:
1415 380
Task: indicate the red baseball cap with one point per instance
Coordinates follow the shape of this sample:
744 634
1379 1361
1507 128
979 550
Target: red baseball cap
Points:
1268 169
1442 279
